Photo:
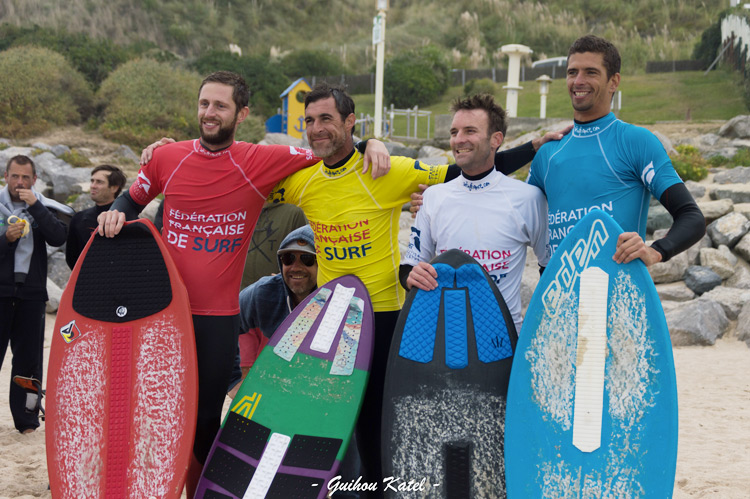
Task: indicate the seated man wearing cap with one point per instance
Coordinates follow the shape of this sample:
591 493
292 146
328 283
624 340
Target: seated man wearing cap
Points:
267 302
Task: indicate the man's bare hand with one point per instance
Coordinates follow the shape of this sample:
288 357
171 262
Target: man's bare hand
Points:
15 231
537 143
148 152
423 276
417 200
27 196
376 155
630 246
110 223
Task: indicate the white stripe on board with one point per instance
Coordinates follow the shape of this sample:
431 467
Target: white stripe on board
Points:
268 465
329 326
590 359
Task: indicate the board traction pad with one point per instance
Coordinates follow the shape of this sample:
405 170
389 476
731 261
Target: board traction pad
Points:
143 290
491 333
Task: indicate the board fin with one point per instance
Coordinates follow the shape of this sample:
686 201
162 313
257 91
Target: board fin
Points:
457 470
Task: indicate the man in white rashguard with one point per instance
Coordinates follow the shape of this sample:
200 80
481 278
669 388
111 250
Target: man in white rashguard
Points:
491 217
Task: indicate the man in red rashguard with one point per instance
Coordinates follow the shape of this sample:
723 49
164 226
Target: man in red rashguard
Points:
214 189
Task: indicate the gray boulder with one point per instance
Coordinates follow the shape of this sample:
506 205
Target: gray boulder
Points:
696 322
720 260
281 139
435 160
665 142
743 208
730 299
57 270
431 152
398 149
738 193
736 128
41 146
695 189
743 324
738 175
674 291
693 252
59 150
729 229
54 293
741 277
658 218
713 210
670 271
65 179
126 152
701 279
742 248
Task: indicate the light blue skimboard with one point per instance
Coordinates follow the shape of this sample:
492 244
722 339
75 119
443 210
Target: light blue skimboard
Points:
592 401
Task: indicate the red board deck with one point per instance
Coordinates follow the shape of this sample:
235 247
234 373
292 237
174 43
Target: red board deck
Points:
122 385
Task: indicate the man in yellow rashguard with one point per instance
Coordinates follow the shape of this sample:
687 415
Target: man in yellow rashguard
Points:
356 222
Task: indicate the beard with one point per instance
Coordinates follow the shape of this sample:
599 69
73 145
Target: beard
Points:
223 135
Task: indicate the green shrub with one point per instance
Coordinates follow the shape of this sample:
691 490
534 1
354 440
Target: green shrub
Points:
265 79
39 89
480 86
741 157
718 160
689 163
306 62
253 129
75 158
93 58
416 78
144 100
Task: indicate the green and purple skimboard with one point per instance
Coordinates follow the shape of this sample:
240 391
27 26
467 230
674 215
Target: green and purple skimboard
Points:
289 425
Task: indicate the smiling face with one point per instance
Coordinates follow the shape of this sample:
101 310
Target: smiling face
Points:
329 134
218 116
472 145
589 86
300 278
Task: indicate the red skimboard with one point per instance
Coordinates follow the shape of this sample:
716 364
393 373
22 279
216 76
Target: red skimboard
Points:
122 385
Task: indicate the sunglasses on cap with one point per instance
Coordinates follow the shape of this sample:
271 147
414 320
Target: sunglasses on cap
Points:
308 259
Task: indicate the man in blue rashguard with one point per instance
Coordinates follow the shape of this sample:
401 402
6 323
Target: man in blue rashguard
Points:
607 164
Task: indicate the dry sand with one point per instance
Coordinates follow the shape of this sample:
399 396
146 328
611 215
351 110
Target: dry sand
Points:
714 449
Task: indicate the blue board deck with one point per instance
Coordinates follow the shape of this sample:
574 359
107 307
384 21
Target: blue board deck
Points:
592 402
446 382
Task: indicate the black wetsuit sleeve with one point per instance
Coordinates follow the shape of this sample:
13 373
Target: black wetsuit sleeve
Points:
403 274
511 160
506 162
361 146
125 204
688 227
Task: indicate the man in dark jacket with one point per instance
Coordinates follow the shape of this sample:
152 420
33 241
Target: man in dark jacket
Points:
107 182
25 226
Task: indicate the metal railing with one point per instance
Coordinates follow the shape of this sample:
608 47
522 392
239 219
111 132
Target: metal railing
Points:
395 120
